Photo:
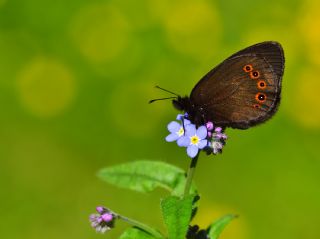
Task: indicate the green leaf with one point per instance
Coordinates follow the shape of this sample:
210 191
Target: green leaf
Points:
177 215
217 227
134 233
145 176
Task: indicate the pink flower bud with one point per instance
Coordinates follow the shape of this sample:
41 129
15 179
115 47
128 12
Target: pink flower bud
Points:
209 125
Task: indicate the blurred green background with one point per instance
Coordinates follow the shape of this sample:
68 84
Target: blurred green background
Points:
75 79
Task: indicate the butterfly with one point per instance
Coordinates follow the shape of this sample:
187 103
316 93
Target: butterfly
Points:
241 92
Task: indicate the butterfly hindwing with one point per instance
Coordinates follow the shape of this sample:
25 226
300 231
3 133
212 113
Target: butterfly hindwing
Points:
244 90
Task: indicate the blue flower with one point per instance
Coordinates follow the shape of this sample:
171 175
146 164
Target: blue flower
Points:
183 118
177 130
206 137
194 139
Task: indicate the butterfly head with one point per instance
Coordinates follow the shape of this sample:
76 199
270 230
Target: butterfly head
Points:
181 103
186 105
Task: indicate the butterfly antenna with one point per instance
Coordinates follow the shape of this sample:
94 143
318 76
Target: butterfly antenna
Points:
151 101
166 90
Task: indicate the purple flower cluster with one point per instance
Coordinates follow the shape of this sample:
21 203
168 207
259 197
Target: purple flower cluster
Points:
205 137
103 221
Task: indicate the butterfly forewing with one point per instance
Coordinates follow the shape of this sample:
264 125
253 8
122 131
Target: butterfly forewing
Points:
244 90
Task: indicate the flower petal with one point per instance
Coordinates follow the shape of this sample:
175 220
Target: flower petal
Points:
174 126
217 145
218 130
107 217
186 122
192 151
190 130
203 143
172 137
202 132
180 116
183 141
209 125
218 136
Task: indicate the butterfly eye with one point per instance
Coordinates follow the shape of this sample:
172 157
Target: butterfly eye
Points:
262 84
248 68
260 97
254 74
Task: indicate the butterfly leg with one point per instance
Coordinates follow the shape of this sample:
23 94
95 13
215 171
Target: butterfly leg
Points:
184 130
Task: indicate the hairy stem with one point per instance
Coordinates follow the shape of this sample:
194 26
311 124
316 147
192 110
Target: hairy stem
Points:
142 226
190 174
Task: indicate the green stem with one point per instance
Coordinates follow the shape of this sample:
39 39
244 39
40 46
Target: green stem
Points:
190 174
142 226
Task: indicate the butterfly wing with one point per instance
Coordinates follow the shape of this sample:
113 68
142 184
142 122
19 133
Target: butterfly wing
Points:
244 90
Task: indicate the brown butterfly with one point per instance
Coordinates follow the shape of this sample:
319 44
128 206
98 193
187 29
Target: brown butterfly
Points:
242 91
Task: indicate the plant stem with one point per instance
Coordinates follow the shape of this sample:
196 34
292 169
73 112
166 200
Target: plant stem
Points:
142 226
190 174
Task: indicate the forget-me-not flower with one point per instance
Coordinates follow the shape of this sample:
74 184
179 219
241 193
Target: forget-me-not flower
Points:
194 139
206 137
177 130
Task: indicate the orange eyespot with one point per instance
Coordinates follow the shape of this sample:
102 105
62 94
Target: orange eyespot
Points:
261 97
256 106
254 74
247 68
262 85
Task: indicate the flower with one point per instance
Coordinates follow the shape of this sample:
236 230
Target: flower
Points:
209 126
206 137
177 130
103 221
194 139
216 147
218 134
217 140
183 118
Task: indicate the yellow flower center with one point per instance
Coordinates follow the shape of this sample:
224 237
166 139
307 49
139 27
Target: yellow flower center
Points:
181 131
194 139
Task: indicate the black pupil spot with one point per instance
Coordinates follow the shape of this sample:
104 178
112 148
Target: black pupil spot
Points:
261 97
262 84
255 74
248 68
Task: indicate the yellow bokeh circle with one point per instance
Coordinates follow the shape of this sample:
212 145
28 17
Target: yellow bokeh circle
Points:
46 87
308 26
101 32
192 27
304 99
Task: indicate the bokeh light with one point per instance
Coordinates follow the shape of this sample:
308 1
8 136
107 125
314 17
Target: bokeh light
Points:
305 99
101 32
192 27
45 87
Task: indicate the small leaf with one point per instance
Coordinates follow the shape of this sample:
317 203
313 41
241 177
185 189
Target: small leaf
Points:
145 176
134 233
177 215
217 227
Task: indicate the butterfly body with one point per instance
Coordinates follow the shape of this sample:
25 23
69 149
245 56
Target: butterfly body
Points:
242 91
